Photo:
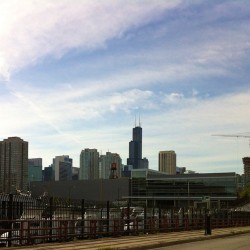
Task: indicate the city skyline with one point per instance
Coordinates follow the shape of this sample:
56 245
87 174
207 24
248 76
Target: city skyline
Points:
77 74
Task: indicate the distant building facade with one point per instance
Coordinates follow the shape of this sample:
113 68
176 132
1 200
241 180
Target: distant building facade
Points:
89 164
149 187
48 174
35 166
135 150
180 170
75 173
161 189
63 168
167 162
126 170
246 162
106 162
100 190
13 165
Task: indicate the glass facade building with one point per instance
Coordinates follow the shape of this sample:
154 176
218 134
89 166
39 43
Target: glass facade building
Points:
181 190
63 168
89 164
35 169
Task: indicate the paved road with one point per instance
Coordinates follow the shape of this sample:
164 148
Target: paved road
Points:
239 242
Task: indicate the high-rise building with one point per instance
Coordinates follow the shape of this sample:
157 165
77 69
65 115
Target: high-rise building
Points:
106 162
246 162
13 165
63 168
48 174
75 173
167 162
35 169
135 150
89 164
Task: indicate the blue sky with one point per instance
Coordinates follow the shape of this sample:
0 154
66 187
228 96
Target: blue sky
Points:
74 74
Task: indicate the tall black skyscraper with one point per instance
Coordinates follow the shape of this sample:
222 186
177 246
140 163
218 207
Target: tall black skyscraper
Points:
135 150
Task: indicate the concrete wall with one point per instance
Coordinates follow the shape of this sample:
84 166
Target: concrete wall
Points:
93 190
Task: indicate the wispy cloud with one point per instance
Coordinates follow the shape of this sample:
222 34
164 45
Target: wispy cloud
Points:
31 31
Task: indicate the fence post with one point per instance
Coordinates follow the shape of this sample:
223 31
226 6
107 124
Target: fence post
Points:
208 230
50 218
10 218
82 214
128 217
108 217
145 218
183 219
159 219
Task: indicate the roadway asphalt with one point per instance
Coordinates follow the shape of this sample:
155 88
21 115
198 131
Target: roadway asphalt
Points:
149 241
235 242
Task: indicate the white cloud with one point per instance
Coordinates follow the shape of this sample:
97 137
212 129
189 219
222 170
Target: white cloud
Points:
179 100
173 98
188 130
129 99
31 30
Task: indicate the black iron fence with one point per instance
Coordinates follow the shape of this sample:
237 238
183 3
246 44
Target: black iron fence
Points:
25 220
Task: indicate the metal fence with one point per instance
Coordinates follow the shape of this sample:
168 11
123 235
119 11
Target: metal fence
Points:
25 220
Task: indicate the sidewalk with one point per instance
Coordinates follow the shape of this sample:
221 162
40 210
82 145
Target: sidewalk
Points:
149 241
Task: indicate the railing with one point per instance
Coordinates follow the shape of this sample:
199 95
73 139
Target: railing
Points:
47 220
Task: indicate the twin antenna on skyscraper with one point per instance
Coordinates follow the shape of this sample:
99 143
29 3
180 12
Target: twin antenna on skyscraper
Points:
139 121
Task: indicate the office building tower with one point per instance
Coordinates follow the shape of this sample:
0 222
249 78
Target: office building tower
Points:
135 150
89 164
167 162
48 173
106 163
63 168
35 169
13 165
180 170
145 162
246 162
75 173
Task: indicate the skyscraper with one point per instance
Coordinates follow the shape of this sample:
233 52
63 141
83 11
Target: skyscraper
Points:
246 162
167 162
89 164
35 169
105 164
63 168
48 173
135 150
75 173
13 165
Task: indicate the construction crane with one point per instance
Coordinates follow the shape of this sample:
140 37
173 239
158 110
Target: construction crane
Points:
237 136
